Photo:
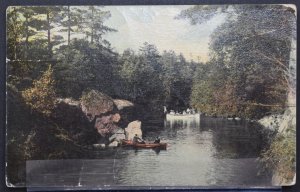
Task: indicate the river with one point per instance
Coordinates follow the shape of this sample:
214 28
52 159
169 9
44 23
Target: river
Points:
209 152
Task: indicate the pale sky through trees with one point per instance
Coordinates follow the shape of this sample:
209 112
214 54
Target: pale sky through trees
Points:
156 25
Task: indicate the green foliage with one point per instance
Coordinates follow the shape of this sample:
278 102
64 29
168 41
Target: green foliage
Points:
154 78
246 76
41 96
34 135
281 156
94 98
15 70
141 73
38 127
14 33
250 54
94 23
88 66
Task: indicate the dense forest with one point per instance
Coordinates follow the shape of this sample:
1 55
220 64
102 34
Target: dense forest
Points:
249 73
252 73
60 52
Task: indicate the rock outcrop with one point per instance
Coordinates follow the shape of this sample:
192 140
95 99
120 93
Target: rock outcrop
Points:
114 144
281 123
118 135
121 103
132 129
107 124
285 125
109 117
101 108
95 103
99 146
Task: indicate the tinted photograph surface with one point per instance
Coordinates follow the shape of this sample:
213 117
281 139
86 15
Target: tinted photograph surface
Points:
151 96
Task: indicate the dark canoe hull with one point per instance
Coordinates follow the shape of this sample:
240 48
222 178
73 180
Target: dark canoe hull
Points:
127 143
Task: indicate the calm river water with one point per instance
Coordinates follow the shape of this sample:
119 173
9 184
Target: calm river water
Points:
209 152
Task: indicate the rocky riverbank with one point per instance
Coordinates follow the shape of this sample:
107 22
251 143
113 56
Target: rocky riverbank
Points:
113 119
281 154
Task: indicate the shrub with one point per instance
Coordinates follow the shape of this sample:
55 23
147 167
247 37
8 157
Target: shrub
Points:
41 96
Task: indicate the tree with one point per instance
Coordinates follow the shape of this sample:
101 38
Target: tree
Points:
73 21
49 18
170 72
14 39
28 52
89 67
84 64
129 73
41 96
255 39
94 24
150 75
177 75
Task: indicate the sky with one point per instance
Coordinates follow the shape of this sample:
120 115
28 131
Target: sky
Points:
157 25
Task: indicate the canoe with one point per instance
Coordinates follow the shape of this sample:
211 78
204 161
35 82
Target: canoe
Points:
128 143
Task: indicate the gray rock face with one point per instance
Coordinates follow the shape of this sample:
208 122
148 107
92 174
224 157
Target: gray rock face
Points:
118 135
99 146
69 101
114 144
121 103
95 103
106 124
280 122
132 129
109 115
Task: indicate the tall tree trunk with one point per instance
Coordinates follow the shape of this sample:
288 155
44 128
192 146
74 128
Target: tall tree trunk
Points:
49 35
26 39
69 33
15 35
69 26
92 28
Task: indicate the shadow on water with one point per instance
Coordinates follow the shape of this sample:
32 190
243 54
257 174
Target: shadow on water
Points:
200 152
235 139
210 151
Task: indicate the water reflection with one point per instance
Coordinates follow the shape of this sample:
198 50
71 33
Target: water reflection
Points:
234 139
205 152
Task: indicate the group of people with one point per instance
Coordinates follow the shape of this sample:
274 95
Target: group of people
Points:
184 112
137 139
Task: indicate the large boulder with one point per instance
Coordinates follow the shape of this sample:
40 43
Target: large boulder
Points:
68 101
114 144
281 123
99 146
132 129
95 103
106 124
118 135
288 121
121 103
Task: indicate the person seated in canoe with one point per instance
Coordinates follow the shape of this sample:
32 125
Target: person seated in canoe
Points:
157 140
138 140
